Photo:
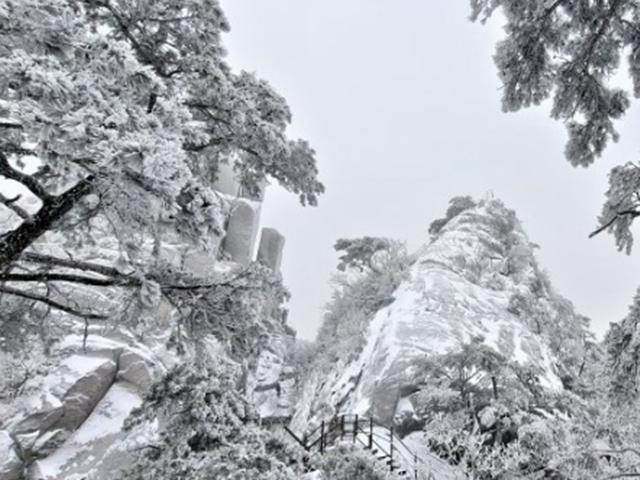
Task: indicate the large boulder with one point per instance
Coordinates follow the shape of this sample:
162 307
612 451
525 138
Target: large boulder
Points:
270 249
11 465
100 448
84 395
135 369
242 231
66 398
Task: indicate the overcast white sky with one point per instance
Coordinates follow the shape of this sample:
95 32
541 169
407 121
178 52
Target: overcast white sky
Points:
402 103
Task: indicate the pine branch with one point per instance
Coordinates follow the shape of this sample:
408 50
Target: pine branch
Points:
632 213
28 181
51 303
15 242
50 260
10 203
10 125
72 278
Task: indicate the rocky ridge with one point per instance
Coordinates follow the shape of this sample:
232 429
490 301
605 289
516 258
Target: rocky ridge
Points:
478 276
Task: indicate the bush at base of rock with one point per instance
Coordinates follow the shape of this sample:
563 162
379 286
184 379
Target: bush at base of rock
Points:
208 430
347 462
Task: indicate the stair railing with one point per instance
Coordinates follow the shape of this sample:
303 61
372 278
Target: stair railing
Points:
379 439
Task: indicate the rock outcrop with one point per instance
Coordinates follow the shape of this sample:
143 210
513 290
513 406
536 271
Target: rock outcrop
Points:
270 249
242 231
466 283
67 420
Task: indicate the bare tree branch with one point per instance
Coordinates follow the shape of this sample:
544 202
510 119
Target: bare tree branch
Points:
11 204
65 277
52 303
10 125
28 181
632 213
15 242
50 260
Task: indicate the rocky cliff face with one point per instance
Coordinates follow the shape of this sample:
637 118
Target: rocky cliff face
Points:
477 277
65 419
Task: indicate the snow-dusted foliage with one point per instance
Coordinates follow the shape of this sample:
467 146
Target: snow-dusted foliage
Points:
373 270
114 116
208 430
472 322
25 338
240 311
569 51
456 205
596 441
348 462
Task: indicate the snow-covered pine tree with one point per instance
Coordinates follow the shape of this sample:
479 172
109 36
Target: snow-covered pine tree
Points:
568 51
208 430
123 110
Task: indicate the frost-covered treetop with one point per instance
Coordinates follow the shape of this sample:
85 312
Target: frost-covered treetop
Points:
122 110
569 51
131 99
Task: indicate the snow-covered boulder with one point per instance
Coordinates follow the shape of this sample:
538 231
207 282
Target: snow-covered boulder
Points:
11 465
135 369
80 400
64 399
99 448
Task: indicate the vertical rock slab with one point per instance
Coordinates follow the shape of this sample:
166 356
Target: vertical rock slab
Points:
270 249
242 231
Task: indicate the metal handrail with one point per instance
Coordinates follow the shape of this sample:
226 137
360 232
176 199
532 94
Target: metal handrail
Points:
351 425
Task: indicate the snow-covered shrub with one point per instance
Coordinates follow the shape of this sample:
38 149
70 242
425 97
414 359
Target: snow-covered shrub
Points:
238 311
457 205
208 430
470 371
595 441
25 339
356 298
348 462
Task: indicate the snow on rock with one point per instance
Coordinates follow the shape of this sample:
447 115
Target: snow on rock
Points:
10 464
88 453
71 426
80 400
272 381
312 476
459 287
65 387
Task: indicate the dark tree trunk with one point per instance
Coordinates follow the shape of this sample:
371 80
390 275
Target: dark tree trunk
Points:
53 209
494 384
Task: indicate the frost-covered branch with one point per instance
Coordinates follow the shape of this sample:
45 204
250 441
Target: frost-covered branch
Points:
7 171
52 303
71 278
50 260
13 243
627 213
